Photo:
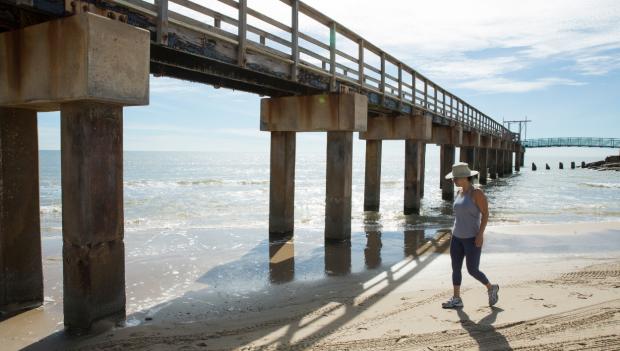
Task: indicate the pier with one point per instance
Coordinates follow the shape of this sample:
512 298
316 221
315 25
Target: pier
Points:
89 60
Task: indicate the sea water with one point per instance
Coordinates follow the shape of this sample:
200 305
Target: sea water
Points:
199 220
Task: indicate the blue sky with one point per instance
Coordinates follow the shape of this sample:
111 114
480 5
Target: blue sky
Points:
556 62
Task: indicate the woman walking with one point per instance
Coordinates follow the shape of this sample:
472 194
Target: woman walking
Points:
471 214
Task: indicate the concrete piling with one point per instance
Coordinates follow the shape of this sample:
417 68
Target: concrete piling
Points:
338 194
413 164
282 183
92 213
21 276
483 158
422 169
372 183
447 160
492 159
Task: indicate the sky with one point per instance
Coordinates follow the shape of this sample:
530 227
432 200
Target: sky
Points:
556 62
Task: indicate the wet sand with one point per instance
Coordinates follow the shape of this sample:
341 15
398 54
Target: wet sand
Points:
560 288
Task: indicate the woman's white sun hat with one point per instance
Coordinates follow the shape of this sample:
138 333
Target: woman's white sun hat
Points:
461 170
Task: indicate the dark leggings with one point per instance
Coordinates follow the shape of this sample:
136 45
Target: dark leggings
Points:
461 248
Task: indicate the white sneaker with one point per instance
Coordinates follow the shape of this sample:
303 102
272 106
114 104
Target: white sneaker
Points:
454 302
493 296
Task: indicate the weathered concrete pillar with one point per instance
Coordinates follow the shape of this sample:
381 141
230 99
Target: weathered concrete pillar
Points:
422 169
517 161
477 158
413 164
508 159
447 160
282 183
372 184
92 213
467 154
21 277
339 187
99 66
483 156
501 163
492 160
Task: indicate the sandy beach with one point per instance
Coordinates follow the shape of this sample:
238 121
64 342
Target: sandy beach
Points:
560 289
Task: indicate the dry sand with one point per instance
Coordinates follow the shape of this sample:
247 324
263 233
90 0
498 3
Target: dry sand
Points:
556 299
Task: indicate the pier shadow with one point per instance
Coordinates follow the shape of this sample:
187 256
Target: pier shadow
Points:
364 290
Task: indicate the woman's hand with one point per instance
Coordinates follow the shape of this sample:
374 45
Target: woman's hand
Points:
479 240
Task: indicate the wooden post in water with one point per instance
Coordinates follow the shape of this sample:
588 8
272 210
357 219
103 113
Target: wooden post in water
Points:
572 165
547 166
533 166
561 165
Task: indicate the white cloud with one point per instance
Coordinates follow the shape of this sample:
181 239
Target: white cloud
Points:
504 85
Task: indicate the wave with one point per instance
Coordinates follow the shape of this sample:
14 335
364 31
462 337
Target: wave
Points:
191 182
602 185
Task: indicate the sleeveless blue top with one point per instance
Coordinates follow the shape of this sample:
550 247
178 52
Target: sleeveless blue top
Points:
467 216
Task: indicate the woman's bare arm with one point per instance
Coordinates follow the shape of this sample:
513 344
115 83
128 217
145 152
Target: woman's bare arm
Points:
481 201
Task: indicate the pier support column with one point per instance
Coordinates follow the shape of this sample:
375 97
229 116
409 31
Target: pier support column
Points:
338 194
517 162
21 277
447 160
492 160
483 158
372 184
501 164
92 213
508 159
413 167
422 169
282 183
467 154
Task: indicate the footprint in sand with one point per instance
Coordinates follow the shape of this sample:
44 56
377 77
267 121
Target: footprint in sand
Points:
549 305
535 298
580 295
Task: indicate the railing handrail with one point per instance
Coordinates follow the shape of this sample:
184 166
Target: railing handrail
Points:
573 141
417 90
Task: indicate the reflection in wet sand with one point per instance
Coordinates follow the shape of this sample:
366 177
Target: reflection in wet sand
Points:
337 258
281 260
372 252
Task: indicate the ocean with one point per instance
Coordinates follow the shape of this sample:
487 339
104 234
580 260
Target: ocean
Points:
198 220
